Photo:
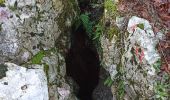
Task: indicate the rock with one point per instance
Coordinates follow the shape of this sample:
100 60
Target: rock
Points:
141 45
135 63
34 27
21 83
129 55
36 32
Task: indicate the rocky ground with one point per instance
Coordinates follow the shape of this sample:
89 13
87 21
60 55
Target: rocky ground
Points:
132 39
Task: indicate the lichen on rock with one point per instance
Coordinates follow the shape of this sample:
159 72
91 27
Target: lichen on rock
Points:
29 30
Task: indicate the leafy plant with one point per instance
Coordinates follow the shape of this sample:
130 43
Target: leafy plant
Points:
157 65
121 90
88 25
38 57
108 82
94 31
111 7
160 90
98 32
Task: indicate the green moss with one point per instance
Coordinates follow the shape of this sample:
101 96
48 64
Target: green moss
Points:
38 57
111 7
114 31
2 3
141 26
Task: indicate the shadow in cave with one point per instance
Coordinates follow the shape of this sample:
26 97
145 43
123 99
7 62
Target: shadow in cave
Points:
82 64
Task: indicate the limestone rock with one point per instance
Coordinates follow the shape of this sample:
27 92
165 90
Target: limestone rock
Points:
21 83
35 32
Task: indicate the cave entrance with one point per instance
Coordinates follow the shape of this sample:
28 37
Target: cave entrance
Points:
82 59
82 63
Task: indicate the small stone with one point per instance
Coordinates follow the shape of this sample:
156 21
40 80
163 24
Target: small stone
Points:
24 87
5 83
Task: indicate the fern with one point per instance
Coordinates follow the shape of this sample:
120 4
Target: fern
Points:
88 25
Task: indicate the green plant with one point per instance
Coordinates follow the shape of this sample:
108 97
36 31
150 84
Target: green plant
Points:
161 91
141 26
88 25
94 31
108 82
98 32
111 7
157 65
114 31
2 3
38 57
161 87
121 90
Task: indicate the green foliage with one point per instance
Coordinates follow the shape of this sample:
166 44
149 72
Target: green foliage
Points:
162 86
141 26
121 90
38 57
97 36
88 25
113 31
98 32
157 65
94 31
108 82
2 3
111 7
120 81
161 92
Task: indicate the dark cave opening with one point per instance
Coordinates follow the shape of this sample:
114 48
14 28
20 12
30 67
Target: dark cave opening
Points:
82 59
82 63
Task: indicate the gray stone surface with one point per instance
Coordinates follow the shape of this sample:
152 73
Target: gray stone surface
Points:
130 54
21 83
30 30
